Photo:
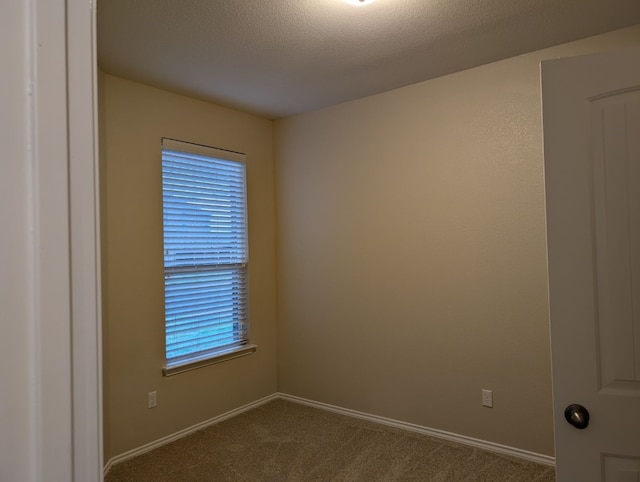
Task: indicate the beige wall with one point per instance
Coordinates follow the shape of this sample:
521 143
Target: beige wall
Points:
411 252
135 118
104 267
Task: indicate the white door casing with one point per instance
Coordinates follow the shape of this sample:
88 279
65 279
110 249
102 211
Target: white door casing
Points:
86 340
50 420
591 123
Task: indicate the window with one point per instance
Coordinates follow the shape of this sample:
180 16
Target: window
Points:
205 255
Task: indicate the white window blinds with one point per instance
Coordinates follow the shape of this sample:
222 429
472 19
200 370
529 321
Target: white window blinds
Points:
205 251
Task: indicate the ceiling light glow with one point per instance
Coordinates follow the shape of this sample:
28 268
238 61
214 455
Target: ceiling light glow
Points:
359 3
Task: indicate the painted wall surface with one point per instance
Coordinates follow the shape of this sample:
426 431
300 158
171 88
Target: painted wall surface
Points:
104 266
135 119
411 252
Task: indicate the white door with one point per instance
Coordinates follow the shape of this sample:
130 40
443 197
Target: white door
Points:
591 122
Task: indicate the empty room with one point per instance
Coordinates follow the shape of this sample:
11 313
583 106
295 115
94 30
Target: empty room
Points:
356 240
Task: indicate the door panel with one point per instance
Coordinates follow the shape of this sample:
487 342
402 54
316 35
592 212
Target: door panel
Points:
616 206
591 122
621 469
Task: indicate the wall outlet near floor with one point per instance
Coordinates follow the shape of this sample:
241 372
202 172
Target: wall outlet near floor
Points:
487 398
152 399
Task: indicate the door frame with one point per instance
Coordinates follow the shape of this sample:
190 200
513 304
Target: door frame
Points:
51 348
86 307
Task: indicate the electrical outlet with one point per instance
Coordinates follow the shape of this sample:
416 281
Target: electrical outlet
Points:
487 398
152 399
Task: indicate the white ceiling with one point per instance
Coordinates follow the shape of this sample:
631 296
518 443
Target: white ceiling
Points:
282 57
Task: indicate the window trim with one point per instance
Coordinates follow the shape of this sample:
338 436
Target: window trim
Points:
222 354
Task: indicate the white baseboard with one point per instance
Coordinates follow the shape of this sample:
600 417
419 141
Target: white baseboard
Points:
187 431
432 432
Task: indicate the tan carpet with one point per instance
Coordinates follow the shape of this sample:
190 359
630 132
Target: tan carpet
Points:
284 441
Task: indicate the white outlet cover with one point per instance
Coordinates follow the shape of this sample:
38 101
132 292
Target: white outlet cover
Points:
152 399
487 398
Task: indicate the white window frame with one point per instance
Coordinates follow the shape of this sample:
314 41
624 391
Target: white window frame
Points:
226 267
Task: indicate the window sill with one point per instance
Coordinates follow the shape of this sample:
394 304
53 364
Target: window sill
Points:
230 354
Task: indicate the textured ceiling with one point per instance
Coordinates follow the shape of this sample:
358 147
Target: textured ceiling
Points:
281 57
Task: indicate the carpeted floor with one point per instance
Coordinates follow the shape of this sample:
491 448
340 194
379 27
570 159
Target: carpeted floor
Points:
284 441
